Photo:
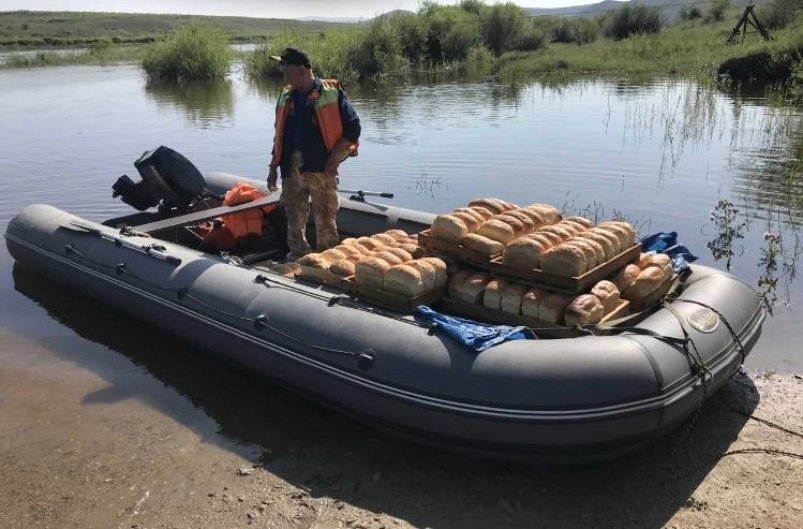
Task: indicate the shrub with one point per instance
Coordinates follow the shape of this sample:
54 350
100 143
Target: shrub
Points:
690 12
502 26
378 52
779 13
192 52
452 32
632 19
413 33
532 39
717 10
580 31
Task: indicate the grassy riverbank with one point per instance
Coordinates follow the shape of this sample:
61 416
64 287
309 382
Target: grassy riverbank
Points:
39 29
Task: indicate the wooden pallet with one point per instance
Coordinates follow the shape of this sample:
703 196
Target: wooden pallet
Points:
392 300
486 314
455 250
568 285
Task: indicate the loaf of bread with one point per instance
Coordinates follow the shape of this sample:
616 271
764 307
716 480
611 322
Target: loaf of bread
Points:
563 232
581 221
472 289
370 244
608 248
482 244
645 284
370 272
497 230
403 279
400 253
389 257
427 272
449 228
458 278
492 297
518 226
349 251
550 214
660 260
614 241
314 266
397 234
623 230
384 238
534 216
526 221
491 204
512 298
480 214
333 255
525 252
625 277
441 276
553 307
342 268
584 310
471 221
572 227
552 238
608 295
595 255
410 248
349 241
531 303
566 260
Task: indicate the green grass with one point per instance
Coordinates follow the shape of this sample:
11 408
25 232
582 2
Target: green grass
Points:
192 52
97 54
33 29
690 49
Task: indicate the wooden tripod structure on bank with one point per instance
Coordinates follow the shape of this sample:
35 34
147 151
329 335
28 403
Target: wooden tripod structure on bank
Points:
745 20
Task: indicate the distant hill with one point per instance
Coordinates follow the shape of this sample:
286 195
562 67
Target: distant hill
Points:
670 9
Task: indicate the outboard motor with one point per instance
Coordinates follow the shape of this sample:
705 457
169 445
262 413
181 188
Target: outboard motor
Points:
169 180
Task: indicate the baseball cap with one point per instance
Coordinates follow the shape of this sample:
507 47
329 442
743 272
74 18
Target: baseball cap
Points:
293 56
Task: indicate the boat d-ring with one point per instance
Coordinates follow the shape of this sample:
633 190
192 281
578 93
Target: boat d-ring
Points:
365 360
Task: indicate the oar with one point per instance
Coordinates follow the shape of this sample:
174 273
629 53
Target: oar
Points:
359 195
149 249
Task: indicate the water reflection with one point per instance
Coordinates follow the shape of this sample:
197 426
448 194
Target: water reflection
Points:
202 102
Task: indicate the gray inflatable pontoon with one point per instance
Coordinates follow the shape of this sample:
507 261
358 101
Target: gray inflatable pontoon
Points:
566 400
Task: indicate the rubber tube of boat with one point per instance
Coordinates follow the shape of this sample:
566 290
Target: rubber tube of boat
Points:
149 249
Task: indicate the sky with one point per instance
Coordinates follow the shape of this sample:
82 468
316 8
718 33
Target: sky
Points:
253 8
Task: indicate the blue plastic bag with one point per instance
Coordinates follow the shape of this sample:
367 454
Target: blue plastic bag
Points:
667 243
478 336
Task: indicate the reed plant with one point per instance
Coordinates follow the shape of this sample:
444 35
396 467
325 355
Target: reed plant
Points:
191 52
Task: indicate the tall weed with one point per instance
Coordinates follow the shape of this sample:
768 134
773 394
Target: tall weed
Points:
191 52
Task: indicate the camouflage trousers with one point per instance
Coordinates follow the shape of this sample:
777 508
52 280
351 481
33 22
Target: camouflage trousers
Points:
297 190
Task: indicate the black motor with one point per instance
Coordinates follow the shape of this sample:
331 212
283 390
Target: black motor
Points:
168 180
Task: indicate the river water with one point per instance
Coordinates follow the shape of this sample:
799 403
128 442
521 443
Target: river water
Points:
717 167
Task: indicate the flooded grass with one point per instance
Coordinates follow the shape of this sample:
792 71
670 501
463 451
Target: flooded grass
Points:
194 52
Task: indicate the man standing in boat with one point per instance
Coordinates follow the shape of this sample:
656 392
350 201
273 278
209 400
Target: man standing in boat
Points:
316 129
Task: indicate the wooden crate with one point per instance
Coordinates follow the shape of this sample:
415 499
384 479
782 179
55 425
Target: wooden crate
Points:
455 250
568 285
486 314
392 300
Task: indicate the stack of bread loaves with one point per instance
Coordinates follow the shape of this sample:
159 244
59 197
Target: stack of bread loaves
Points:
478 288
641 278
394 246
488 224
581 251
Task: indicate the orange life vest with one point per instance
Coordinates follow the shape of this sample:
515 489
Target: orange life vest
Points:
244 222
327 111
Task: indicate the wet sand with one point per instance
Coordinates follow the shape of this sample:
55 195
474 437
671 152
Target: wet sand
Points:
106 423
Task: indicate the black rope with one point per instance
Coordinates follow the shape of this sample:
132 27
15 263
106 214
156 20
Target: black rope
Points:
727 324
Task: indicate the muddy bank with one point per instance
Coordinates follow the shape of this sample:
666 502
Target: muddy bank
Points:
134 431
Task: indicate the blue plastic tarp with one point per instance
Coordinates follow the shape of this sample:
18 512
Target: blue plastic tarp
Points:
667 243
477 336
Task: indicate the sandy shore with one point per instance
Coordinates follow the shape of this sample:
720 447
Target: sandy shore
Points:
97 434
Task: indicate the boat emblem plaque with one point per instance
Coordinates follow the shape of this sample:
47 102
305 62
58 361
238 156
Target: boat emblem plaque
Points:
704 320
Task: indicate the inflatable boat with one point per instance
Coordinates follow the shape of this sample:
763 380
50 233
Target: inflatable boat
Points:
595 395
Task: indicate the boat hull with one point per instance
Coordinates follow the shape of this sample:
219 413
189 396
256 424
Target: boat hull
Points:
563 401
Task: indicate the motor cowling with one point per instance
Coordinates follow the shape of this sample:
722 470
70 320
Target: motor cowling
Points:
169 180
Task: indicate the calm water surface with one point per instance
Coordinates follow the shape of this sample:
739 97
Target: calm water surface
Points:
717 168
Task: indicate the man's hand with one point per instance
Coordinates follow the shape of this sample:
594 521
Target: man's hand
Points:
332 163
273 177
